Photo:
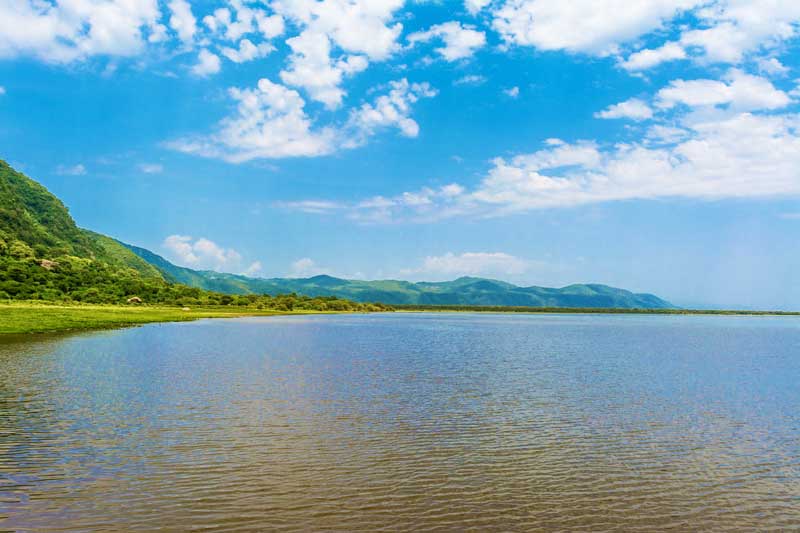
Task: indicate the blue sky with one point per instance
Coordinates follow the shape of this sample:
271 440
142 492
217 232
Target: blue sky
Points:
651 145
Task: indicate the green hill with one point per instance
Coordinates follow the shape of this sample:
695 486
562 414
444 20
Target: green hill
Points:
44 255
466 291
30 214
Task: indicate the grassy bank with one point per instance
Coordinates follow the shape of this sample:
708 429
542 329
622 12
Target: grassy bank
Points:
597 310
17 318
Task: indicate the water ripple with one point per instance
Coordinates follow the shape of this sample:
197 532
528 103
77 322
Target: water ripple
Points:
406 422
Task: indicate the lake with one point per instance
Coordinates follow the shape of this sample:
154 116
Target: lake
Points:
406 422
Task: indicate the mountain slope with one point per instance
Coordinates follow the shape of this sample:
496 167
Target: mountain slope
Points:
31 214
44 256
463 291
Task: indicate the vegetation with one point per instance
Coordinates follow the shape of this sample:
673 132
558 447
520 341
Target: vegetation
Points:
37 317
66 278
463 291
45 257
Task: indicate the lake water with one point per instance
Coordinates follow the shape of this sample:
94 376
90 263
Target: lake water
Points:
406 422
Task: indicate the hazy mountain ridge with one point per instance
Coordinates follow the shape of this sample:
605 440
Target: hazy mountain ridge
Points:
35 226
462 291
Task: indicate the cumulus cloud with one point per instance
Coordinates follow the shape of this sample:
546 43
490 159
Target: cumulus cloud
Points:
720 31
743 92
450 265
649 58
595 27
312 68
713 157
632 108
726 31
389 110
238 19
247 51
182 20
475 6
63 32
772 66
205 254
459 41
2 90
207 64
512 92
337 39
270 122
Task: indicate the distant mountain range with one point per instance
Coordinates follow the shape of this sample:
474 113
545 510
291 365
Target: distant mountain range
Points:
463 291
36 224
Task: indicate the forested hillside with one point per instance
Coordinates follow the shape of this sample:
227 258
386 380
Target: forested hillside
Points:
466 291
44 255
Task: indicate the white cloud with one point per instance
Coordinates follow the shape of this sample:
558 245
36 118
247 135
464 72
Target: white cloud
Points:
360 28
425 203
74 170
270 122
588 26
233 22
660 134
207 63
632 108
311 67
743 92
389 110
310 206
470 79
2 90
182 20
67 31
719 156
649 58
205 254
247 51
306 268
459 41
450 265
772 66
356 26
475 6
727 31
512 92
254 268
151 168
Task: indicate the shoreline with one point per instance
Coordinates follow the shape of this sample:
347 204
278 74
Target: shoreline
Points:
25 318
583 310
29 319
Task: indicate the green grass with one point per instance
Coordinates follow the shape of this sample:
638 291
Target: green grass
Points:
20 318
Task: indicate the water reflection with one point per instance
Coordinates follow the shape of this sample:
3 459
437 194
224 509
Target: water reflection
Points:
406 422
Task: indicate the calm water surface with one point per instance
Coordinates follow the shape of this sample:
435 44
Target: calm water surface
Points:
406 422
